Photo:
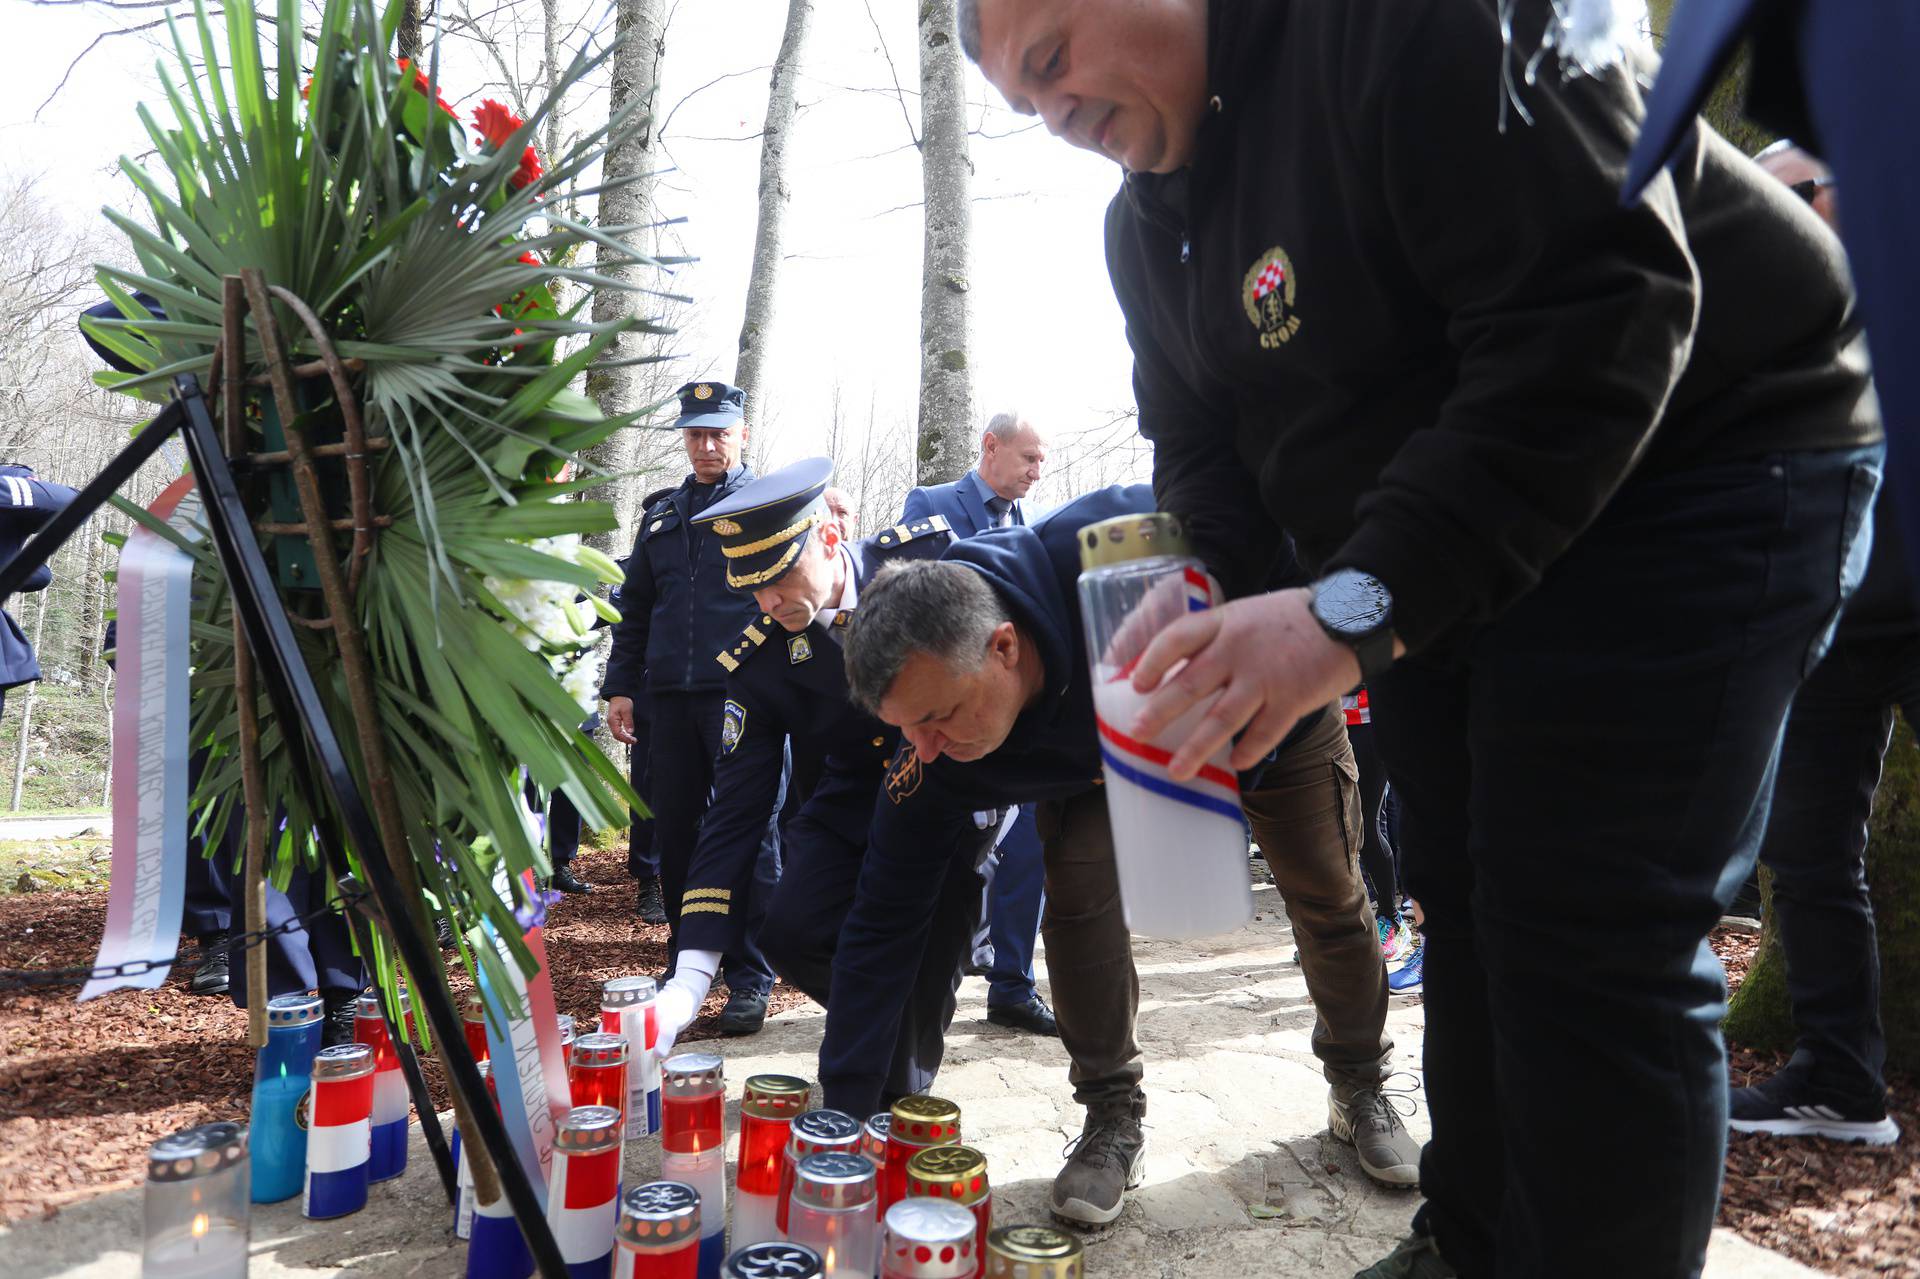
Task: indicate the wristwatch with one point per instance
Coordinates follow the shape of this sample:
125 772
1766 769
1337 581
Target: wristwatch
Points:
1356 609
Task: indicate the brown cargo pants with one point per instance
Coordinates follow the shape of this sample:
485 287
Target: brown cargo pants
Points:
1306 819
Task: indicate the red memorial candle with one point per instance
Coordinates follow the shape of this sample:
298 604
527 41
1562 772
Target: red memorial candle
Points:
597 1072
958 1175
473 1020
918 1122
873 1144
767 1112
659 1232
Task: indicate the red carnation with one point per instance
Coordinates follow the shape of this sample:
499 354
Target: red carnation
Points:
529 170
495 122
421 85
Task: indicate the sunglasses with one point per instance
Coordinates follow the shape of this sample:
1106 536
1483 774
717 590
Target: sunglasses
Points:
1808 188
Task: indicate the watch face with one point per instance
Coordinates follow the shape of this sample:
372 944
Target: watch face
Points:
1352 603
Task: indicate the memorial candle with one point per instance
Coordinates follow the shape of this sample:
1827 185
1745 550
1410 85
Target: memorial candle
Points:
464 1202
659 1232
565 1022
693 1140
282 1073
473 1022
388 1157
813 1133
927 1239
583 1189
597 1072
626 1008
339 1131
767 1112
919 1121
833 1212
196 1205
772 1261
1033 1252
957 1174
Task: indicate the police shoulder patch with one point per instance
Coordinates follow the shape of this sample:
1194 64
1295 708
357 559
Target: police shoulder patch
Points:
903 772
799 649
733 724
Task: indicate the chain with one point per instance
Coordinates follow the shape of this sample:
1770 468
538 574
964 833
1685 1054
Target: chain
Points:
34 978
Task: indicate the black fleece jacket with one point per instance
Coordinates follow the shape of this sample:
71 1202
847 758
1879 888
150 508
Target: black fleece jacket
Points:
1433 347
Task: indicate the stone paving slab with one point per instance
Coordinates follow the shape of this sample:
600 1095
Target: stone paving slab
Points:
1243 1178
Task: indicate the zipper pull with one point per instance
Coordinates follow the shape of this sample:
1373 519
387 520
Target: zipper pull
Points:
1186 249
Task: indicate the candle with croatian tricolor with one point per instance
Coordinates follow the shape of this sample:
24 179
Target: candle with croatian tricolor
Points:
1179 846
465 1204
583 1191
814 1132
473 1023
919 1121
693 1141
928 1239
1034 1252
767 1111
389 1152
196 1205
958 1175
339 1131
626 1008
833 1212
658 1236
282 1073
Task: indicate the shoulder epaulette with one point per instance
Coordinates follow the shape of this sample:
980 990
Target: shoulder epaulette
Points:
901 534
746 646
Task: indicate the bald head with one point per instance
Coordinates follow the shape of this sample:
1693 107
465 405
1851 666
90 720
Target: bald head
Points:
1810 179
1012 453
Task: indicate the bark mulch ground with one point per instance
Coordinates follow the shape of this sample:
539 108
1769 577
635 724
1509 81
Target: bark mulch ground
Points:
1837 1206
86 1088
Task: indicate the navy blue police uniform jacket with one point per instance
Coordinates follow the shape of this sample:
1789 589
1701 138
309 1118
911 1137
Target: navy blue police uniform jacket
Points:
924 814
25 504
675 609
783 685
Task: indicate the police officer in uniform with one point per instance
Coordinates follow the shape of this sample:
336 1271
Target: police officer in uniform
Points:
784 680
676 612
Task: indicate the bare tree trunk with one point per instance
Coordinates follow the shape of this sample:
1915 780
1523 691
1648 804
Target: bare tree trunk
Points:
635 78
774 195
946 383
26 713
407 39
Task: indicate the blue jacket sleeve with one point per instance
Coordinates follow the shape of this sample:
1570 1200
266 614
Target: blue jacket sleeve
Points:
919 505
746 795
884 939
627 662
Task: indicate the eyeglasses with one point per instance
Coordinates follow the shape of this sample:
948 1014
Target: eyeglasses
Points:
1808 188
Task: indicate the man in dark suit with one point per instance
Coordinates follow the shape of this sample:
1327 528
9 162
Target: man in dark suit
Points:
989 496
1835 76
25 504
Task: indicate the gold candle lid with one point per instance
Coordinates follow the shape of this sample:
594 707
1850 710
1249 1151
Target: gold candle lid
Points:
775 1096
1132 537
920 1120
958 1173
1036 1252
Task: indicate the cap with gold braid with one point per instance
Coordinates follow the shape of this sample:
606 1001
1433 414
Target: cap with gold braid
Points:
1132 537
764 526
1033 1252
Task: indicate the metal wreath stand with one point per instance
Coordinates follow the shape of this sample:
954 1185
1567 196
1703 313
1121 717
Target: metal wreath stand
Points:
265 651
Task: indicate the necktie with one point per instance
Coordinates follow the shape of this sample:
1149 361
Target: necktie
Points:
998 507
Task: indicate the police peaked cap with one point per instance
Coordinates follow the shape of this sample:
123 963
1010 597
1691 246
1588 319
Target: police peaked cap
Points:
763 527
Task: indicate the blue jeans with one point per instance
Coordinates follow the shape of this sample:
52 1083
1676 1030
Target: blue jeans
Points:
1607 746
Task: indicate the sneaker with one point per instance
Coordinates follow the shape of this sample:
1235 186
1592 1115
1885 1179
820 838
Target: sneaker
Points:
1789 1105
1033 1016
651 907
745 1013
1415 1257
567 882
1365 1119
210 977
1395 937
1406 979
1106 1160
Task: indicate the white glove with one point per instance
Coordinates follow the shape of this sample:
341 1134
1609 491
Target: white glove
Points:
679 1000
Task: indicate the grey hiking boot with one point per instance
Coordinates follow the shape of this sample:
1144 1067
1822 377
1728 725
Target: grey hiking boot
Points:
1365 1119
1106 1160
1416 1257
